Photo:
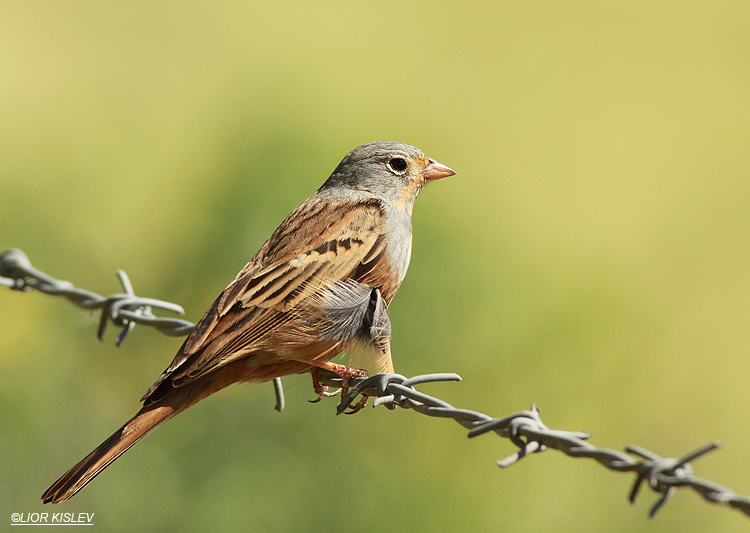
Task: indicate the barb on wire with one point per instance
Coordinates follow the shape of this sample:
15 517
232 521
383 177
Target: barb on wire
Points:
123 310
525 429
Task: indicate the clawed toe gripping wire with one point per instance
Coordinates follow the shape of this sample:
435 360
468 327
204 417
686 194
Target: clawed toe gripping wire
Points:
525 429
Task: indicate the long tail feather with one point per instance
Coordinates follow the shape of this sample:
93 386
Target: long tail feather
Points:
147 419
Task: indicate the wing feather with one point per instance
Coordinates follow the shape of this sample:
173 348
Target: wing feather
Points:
299 261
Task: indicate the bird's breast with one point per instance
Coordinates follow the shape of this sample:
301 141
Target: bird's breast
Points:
398 234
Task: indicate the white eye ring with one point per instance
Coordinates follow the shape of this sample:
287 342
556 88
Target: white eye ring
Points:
398 165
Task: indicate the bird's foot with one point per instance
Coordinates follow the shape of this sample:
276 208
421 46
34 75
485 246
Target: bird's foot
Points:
357 406
320 390
346 374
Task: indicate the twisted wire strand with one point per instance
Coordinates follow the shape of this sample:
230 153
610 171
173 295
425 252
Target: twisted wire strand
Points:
123 310
663 475
525 429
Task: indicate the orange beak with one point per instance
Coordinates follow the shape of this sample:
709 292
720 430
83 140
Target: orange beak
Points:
435 171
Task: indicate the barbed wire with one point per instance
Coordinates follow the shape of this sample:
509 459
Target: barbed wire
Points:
525 429
123 310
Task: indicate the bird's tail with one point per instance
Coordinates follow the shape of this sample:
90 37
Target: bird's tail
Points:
157 409
146 420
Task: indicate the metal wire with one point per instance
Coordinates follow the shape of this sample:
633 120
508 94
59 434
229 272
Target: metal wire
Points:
525 429
124 310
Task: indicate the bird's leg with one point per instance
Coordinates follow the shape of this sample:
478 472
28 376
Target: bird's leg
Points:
320 390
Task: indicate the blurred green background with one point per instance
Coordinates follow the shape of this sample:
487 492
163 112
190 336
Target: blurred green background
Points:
592 254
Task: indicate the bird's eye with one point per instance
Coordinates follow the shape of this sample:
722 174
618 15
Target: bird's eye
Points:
397 164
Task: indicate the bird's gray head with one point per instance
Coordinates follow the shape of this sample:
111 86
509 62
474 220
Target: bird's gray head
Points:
389 170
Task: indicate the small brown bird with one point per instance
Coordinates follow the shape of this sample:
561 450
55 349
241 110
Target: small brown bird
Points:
319 285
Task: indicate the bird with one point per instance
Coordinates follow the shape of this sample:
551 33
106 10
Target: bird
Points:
320 285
